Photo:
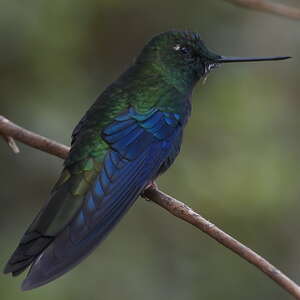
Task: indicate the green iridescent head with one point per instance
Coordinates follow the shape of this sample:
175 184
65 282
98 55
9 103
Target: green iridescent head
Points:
182 55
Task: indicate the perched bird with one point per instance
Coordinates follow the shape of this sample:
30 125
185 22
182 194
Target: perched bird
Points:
129 136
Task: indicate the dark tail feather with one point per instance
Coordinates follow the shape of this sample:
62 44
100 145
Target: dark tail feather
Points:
100 212
31 245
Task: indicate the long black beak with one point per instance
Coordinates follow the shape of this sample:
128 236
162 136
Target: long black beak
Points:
224 59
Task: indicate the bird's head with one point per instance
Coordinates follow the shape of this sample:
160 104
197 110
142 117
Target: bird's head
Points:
182 57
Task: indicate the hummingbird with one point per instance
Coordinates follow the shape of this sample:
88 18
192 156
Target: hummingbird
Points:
126 139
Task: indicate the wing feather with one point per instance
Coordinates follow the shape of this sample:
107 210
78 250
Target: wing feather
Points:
139 145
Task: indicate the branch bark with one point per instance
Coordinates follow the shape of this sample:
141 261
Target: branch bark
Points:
10 130
269 7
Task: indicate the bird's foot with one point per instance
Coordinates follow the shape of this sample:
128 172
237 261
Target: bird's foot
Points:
150 185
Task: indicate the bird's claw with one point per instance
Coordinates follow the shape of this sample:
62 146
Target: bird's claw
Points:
151 185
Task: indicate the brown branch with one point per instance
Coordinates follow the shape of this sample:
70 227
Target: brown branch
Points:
185 213
10 130
175 207
269 7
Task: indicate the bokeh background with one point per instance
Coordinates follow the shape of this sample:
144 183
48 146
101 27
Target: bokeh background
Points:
239 164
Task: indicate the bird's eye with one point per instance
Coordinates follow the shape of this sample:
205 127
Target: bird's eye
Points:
176 47
181 49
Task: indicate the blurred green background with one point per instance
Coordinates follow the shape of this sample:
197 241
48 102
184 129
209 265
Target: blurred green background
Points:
239 164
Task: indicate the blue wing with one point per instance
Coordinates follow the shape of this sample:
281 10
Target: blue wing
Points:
142 146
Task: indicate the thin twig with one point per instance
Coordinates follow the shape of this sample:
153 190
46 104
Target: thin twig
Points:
10 129
269 7
184 212
175 207
11 143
